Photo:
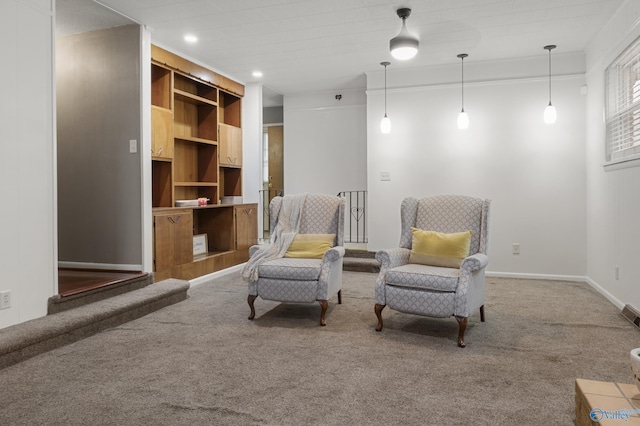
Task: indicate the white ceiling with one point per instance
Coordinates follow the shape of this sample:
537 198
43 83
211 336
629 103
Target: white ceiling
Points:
315 45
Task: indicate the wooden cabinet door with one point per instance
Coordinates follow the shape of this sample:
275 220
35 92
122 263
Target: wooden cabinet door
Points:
173 239
246 226
161 132
230 145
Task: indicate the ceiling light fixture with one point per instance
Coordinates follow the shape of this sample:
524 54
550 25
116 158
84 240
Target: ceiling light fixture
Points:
463 118
404 45
190 38
257 73
550 111
385 124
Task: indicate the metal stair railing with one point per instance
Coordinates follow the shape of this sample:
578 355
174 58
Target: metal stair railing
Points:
355 226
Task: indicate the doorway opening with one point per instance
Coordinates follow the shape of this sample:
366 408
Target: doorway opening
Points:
272 171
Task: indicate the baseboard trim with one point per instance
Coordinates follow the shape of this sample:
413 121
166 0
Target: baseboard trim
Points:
576 278
105 266
573 278
204 278
611 298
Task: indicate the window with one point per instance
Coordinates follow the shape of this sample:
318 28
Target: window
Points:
622 105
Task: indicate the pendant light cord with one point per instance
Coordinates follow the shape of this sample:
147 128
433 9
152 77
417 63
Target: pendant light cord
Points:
462 83
550 48
385 124
462 56
549 76
384 64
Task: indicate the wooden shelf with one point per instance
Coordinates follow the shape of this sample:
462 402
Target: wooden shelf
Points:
230 109
195 121
160 86
195 184
210 254
193 99
197 140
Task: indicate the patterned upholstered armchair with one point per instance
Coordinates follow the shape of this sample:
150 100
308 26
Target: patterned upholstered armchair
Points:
411 285
299 279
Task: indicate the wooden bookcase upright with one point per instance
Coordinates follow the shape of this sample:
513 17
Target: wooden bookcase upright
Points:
196 122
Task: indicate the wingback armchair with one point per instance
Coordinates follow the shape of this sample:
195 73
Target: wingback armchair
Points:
303 279
411 284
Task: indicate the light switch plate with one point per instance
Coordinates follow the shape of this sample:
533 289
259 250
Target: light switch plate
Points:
5 299
133 146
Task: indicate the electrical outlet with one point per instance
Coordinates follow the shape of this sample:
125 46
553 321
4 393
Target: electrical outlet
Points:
515 248
5 299
385 175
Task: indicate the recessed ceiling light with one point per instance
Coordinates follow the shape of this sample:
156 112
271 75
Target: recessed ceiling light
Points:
190 38
257 74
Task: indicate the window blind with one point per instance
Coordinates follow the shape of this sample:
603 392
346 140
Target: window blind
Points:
622 111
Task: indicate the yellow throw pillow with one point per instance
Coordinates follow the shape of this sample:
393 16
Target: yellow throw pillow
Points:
439 249
316 237
310 246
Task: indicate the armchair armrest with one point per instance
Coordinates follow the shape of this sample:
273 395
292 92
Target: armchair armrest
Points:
475 262
330 279
333 254
392 258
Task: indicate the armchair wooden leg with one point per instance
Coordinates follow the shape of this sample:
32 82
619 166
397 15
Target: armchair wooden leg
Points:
482 313
462 322
250 300
324 304
378 309
339 297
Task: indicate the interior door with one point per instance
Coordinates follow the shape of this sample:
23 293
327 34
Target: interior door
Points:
273 172
276 158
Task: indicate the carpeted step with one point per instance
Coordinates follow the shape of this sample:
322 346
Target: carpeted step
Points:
59 304
359 264
31 338
361 254
356 260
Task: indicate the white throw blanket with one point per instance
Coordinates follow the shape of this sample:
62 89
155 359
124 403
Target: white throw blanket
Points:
283 234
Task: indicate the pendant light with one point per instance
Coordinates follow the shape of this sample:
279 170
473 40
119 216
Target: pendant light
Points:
404 45
463 118
385 124
550 110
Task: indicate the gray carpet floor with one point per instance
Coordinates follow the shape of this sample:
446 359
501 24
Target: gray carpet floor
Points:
201 362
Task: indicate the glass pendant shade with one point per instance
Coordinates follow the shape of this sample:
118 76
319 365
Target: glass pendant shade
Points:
385 125
405 45
550 114
463 120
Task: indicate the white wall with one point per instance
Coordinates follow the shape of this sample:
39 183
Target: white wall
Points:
27 158
325 142
99 180
533 173
251 142
613 201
